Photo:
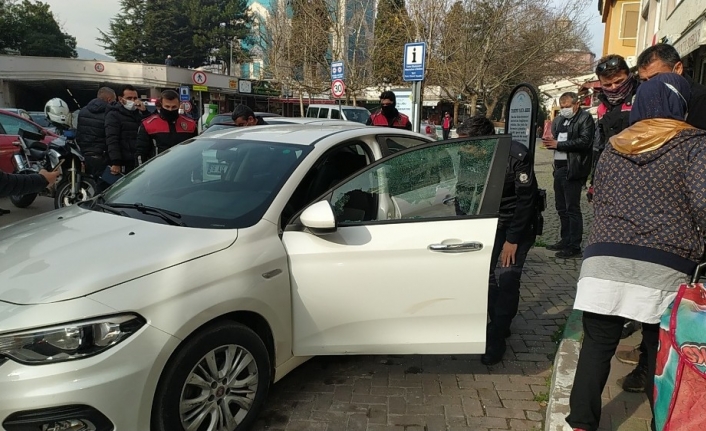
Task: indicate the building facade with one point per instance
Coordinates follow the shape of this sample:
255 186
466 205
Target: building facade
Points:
681 23
621 19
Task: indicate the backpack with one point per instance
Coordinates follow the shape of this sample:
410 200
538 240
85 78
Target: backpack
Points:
680 376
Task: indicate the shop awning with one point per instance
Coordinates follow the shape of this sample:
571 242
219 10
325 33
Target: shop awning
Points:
691 39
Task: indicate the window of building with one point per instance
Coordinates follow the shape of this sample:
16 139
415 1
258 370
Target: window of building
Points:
672 4
629 18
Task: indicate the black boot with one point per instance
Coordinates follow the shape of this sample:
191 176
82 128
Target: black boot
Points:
494 351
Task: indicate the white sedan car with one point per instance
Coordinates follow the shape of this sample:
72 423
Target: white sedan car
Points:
174 300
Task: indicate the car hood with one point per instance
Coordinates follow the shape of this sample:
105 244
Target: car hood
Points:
74 252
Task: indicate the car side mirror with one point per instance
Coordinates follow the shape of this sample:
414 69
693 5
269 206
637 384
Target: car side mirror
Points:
319 218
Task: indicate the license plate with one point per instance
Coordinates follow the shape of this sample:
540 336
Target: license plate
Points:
216 168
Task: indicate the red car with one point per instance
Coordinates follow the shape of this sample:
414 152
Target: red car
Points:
10 125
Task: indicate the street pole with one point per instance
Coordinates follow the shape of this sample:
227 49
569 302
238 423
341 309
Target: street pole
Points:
230 65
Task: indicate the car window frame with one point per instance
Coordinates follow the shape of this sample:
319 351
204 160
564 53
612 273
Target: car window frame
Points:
382 142
495 183
319 161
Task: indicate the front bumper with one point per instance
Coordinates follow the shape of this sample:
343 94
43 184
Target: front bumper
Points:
118 383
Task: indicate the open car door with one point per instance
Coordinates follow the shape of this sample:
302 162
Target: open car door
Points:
396 258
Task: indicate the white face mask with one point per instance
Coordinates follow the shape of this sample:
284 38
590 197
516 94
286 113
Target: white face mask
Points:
129 105
566 112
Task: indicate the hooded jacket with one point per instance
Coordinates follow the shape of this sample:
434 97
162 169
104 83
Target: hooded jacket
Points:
648 201
90 131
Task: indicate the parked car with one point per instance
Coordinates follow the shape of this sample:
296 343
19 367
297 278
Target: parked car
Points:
10 125
242 254
18 111
336 112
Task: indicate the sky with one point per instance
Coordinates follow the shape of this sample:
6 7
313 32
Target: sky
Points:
83 18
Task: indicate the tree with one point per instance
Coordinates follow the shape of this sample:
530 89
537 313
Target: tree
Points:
392 26
193 32
488 46
30 29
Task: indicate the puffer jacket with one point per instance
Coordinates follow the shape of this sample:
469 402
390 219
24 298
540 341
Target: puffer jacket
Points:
649 206
121 135
90 131
579 143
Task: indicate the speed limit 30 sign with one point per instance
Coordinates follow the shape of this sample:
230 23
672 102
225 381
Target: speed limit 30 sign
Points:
338 88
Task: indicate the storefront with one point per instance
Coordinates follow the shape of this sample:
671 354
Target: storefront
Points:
692 49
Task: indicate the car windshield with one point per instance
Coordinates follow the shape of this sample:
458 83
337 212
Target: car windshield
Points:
221 118
357 115
217 127
209 183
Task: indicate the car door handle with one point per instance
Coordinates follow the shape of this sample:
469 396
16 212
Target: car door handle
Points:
463 247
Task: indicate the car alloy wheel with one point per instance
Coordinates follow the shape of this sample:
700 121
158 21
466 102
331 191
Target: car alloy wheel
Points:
217 380
220 390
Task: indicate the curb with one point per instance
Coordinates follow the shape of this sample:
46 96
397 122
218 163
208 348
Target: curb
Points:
563 376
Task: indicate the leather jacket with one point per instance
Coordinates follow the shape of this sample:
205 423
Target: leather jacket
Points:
579 143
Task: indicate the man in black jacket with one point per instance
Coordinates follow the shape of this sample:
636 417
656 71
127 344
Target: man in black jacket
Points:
121 124
573 134
243 116
164 129
663 58
513 239
24 184
90 131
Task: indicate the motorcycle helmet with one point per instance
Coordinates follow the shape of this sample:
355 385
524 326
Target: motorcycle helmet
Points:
58 113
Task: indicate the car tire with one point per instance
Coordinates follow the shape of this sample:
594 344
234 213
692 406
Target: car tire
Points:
188 381
23 201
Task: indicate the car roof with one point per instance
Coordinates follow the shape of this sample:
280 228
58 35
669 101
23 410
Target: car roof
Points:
300 134
325 105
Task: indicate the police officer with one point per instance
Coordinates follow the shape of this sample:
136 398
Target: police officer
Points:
519 218
164 129
388 115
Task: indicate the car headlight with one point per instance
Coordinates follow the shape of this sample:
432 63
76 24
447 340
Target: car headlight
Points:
70 341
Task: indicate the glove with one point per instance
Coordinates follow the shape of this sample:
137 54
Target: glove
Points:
589 194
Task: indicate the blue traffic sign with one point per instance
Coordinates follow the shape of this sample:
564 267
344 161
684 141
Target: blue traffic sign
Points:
184 93
337 70
414 61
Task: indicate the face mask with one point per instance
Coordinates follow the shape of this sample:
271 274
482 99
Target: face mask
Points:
566 112
169 115
129 105
389 110
621 92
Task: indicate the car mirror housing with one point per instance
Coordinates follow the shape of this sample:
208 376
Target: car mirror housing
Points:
319 218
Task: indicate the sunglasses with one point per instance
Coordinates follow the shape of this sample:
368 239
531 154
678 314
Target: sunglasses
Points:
610 64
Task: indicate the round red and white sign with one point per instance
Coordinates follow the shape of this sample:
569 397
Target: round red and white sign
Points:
99 67
186 106
199 78
338 88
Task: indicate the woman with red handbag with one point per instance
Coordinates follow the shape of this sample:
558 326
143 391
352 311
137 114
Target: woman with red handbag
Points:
649 205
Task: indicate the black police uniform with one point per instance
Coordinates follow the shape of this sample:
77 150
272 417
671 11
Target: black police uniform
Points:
518 222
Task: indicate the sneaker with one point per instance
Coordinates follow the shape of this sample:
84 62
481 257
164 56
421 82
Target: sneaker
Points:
635 381
569 253
630 357
629 328
559 246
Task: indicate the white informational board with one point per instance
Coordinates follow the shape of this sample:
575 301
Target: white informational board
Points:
404 102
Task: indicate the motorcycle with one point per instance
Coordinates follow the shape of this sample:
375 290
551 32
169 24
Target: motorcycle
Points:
73 185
